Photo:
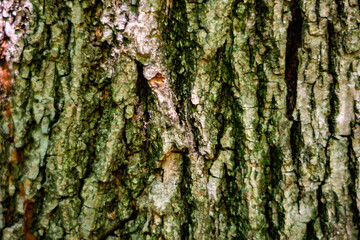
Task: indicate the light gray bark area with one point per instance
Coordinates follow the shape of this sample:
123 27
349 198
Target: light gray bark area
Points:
197 119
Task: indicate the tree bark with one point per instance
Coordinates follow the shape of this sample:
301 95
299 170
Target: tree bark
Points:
196 119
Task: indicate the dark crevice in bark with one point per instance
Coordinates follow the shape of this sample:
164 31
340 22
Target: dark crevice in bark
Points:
95 112
220 118
94 11
294 38
312 100
334 101
58 96
48 37
10 201
149 150
276 161
235 7
195 132
354 175
233 199
317 10
180 50
261 96
274 176
120 225
42 47
236 196
296 144
262 13
9 216
238 207
40 201
310 231
271 228
68 38
67 33
181 61
185 190
322 209
339 7
143 91
226 74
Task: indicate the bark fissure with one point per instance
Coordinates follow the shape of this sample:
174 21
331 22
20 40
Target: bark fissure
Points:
145 98
354 175
119 226
334 101
273 187
322 208
296 143
186 196
294 39
310 231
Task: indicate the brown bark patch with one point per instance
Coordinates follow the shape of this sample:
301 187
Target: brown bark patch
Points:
17 156
97 33
21 190
5 85
7 110
29 207
8 214
105 95
157 81
5 77
170 165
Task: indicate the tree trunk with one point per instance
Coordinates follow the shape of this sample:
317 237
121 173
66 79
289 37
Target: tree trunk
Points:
196 119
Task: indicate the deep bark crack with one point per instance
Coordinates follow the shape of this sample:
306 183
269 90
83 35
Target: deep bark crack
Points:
334 101
353 166
294 39
120 225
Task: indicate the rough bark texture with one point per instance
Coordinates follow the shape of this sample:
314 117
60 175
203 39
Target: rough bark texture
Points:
193 119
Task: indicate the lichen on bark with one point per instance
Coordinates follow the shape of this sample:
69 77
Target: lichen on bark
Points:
148 119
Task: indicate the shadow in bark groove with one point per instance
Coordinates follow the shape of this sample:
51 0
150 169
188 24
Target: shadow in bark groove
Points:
294 38
334 101
144 93
119 225
185 189
322 209
296 144
354 173
310 231
180 51
275 176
